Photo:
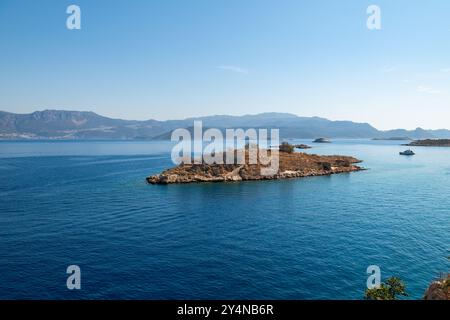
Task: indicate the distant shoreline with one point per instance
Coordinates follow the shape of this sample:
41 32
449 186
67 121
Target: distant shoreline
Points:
429 143
393 139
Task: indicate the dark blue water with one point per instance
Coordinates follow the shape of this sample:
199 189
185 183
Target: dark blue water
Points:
87 203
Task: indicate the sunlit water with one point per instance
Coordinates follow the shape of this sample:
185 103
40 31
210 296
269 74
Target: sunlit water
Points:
87 203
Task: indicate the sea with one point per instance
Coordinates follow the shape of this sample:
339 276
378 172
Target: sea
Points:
87 203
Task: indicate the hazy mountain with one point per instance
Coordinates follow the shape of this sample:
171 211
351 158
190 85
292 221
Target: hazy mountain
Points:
57 124
418 133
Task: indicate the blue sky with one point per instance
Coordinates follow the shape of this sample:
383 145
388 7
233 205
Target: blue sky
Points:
168 59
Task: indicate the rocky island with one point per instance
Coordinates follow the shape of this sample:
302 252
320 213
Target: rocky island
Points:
322 140
291 165
439 289
302 146
430 143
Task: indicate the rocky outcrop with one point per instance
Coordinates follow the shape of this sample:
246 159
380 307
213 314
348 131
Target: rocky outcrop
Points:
291 165
438 290
302 146
322 140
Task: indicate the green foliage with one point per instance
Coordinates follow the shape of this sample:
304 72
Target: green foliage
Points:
389 290
286 147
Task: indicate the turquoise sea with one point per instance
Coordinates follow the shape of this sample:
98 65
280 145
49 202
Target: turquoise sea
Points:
87 203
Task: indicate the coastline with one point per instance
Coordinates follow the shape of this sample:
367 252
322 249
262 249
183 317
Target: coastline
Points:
444 143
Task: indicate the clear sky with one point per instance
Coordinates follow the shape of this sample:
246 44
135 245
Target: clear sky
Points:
168 59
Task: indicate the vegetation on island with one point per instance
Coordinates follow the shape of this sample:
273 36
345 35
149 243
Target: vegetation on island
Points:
286 147
389 290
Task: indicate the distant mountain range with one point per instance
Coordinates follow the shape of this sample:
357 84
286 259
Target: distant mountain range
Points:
77 125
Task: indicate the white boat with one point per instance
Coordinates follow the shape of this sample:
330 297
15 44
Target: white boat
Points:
408 152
